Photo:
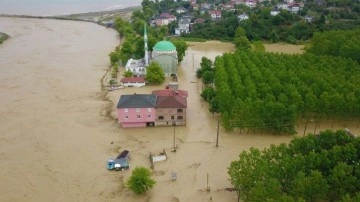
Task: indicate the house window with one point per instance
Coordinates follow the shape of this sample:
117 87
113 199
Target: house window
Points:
172 117
179 110
137 109
126 117
180 117
137 116
149 116
149 109
126 110
161 117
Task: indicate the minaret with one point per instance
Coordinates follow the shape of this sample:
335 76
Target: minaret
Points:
146 46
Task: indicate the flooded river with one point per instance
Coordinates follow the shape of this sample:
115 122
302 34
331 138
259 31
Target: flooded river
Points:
56 135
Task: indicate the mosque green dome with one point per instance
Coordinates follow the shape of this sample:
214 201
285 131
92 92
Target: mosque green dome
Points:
164 46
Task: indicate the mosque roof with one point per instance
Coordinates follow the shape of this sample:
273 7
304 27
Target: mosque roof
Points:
164 46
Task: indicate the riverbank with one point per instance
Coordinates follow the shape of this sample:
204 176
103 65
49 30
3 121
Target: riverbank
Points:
101 17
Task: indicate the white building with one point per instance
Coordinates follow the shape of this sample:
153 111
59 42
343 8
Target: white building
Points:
137 67
183 26
243 16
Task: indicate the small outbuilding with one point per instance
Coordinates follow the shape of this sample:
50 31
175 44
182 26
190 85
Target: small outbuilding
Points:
133 81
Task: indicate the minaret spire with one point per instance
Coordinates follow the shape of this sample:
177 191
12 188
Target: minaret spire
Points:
146 46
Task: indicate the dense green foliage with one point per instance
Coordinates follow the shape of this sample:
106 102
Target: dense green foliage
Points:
140 181
128 74
132 35
269 92
181 47
324 167
261 25
154 74
337 43
3 37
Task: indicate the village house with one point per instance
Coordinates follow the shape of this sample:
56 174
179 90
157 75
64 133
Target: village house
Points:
215 14
227 7
206 6
133 81
250 3
243 16
136 110
274 13
183 26
161 108
164 19
181 10
294 7
170 107
137 67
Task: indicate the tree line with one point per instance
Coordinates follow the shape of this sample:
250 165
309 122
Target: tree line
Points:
322 167
269 92
337 43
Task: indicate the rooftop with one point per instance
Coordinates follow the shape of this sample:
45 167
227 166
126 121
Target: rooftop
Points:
164 46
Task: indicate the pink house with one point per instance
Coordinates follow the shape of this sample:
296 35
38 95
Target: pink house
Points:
136 110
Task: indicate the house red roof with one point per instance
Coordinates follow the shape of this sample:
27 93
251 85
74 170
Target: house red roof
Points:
216 12
167 16
133 80
199 20
171 102
169 92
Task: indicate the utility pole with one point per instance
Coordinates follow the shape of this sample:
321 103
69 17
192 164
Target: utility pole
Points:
193 60
174 124
217 134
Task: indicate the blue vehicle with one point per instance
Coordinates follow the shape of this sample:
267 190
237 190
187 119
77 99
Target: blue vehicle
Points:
121 162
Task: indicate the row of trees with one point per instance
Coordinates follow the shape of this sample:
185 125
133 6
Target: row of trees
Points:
324 167
270 92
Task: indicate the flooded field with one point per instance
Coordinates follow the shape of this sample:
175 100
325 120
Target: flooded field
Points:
56 132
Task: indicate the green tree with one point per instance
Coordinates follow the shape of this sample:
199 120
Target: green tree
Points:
181 47
140 181
128 73
313 168
114 57
155 74
240 40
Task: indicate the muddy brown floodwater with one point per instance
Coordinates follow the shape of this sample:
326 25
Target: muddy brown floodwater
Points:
56 134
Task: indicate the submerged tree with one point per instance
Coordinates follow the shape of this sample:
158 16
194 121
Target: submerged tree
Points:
140 181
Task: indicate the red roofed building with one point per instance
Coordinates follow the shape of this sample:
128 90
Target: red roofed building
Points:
168 92
164 19
133 81
170 110
215 14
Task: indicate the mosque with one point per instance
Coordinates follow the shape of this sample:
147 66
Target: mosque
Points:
164 53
